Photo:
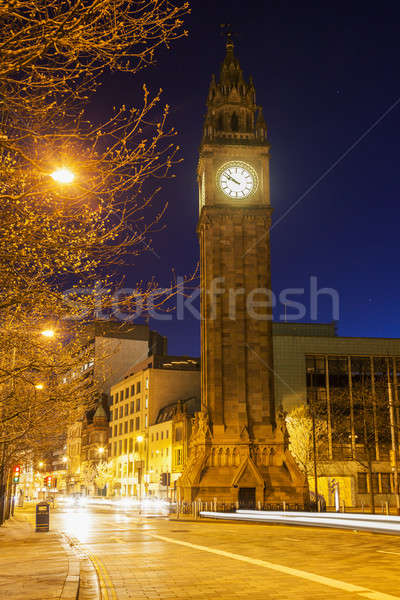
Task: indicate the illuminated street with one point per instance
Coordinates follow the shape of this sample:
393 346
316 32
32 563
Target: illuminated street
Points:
153 557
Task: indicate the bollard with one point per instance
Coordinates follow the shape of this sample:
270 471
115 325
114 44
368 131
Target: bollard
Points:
284 506
387 507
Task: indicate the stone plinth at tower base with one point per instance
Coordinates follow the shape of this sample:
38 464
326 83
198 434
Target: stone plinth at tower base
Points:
242 472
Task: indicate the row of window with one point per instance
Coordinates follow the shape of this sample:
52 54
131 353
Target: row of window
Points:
128 391
159 435
160 452
382 483
123 446
122 428
130 407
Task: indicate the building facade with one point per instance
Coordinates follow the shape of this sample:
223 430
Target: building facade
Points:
136 402
352 387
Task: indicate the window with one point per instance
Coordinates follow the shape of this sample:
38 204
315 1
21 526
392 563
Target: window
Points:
121 395
162 435
375 482
146 402
385 482
120 446
136 446
137 404
112 400
167 434
115 448
131 425
152 437
147 383
126 409
127 393
132 389
178 456
131 443
137 424
132 406
120 429
157 435
178 434
115 430
110 432
111 415
362 483
126 427
166 451
121 411
125 445
145 420
138 387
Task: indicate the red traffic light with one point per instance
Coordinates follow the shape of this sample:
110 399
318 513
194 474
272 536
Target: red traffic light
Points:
48 481
16 473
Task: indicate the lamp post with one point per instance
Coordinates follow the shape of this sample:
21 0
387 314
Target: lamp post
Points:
63 175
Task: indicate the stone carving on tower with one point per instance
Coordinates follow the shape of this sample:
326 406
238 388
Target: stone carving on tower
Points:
238 449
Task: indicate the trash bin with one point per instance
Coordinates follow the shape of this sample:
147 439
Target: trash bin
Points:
42 516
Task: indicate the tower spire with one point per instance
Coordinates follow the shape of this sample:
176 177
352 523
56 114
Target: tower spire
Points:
231 104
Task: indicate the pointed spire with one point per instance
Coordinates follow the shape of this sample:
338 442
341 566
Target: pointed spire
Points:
231 109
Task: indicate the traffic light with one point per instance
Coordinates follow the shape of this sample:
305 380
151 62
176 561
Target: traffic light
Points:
16 473
47 481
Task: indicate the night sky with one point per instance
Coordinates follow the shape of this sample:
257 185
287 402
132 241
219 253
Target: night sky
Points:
324 73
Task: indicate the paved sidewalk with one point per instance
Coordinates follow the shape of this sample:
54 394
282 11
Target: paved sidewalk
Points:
35 566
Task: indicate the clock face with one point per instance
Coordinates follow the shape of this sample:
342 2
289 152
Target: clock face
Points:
237 179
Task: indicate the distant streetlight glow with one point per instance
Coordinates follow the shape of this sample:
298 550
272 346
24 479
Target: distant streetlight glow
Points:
39 386
48 333
101 450
139 438
63 175
65 459
40 464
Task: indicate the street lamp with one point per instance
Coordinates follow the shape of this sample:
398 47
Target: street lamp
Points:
39 386
63 175
48 333
100 450
65 459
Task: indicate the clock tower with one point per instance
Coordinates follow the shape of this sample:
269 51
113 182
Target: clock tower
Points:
238 448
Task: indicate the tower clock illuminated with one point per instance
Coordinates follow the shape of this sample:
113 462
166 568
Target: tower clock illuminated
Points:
237 179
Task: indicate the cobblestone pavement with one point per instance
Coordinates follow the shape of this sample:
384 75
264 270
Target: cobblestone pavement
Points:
33 566
153 558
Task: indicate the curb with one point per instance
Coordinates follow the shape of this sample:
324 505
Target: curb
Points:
71 586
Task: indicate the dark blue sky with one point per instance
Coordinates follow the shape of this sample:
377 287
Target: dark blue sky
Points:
324 74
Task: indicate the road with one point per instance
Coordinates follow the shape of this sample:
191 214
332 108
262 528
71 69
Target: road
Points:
151 557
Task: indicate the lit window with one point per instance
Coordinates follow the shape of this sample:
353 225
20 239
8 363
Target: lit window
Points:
145 421
147 383
146 402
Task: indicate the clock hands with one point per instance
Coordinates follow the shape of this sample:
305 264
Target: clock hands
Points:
232 179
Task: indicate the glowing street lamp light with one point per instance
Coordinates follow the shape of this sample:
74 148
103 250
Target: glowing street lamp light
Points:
39 386
100 450
48 333
63 175
64 459
139 438
41 464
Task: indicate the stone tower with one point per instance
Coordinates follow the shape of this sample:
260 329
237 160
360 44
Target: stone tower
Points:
238 446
